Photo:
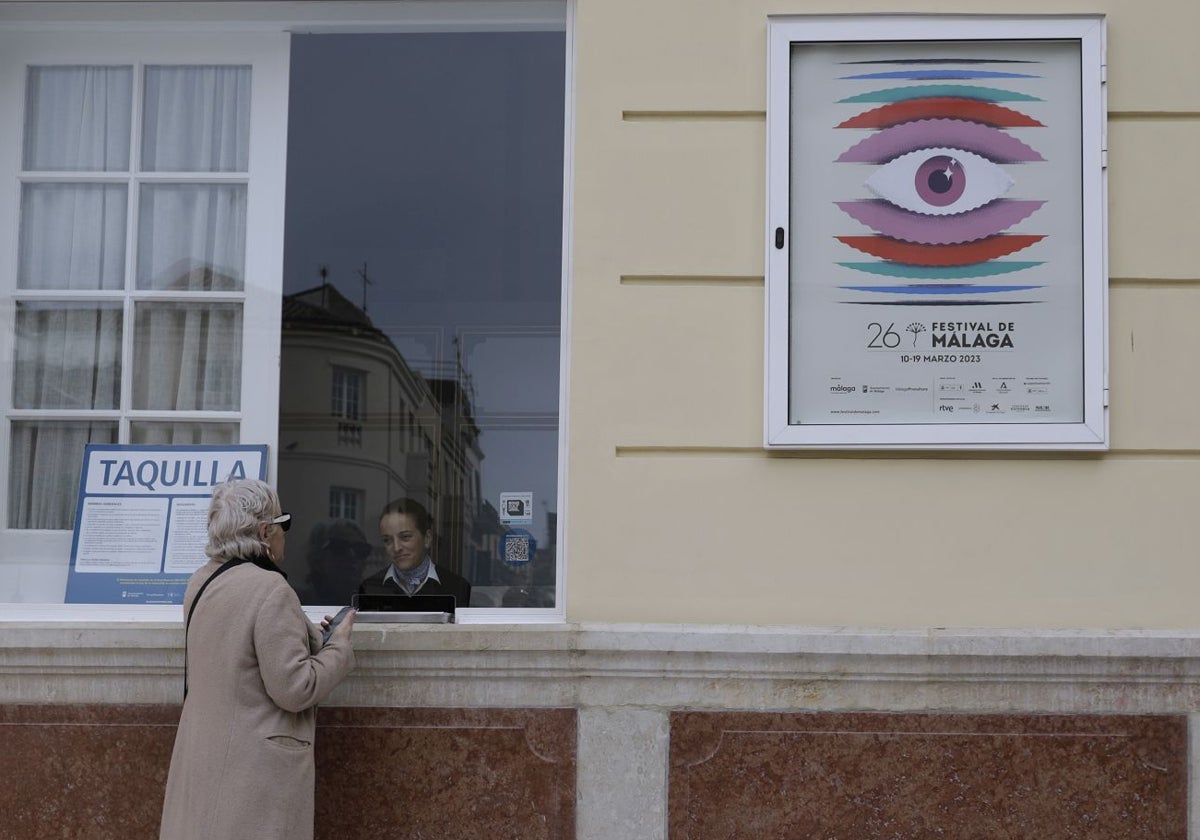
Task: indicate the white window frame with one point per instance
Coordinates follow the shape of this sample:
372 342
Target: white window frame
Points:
267 56
258 34
1091 432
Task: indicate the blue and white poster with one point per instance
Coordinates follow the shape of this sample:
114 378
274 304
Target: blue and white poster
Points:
141 522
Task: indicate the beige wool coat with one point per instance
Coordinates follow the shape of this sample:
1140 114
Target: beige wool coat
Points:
242 767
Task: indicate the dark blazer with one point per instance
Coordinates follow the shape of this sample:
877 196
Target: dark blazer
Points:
448 583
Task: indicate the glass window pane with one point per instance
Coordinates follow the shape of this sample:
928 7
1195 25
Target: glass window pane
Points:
68 355
188 357
510 369
332 560
72 236
192 237
512 563
423 247
77 118
197 119
183 433
46 460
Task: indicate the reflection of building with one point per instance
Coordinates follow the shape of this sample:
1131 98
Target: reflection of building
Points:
457 477
358 427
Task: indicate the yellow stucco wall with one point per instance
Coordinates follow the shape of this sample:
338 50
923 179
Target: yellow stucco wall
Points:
674 511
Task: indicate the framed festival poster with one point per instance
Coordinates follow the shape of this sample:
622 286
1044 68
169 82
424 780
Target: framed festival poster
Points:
936 261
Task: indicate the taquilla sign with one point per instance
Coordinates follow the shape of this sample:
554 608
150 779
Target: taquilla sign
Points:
141 521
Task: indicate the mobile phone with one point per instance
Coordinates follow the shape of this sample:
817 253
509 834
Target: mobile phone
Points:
333 623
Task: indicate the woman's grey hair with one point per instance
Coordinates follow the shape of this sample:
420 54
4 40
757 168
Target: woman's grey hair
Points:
237 511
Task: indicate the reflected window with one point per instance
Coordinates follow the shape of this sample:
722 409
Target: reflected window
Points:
423 255
345 503
347 393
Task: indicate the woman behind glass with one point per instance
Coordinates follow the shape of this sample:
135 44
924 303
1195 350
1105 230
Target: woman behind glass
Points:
255 670
406 529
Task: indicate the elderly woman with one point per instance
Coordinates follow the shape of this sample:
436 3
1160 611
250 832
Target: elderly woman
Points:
254 671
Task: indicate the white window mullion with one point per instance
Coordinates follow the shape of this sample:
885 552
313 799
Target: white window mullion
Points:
127 310
264 248
12 93
133 206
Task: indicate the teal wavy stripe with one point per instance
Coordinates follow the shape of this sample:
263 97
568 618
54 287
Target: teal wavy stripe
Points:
921 91
940 272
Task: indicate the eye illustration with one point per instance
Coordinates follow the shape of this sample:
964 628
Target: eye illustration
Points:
942 167
971 92
972 110
992 143
897 223
943 73
939 181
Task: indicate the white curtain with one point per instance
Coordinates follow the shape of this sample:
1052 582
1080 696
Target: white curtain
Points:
77 118
197 119
187 434
47 458
191 236
67 356
188 357
72 236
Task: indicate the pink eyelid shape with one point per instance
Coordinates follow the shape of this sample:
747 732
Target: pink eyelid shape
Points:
983 140
891 221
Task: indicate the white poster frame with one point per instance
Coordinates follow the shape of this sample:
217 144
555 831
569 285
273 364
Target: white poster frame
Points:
1088 428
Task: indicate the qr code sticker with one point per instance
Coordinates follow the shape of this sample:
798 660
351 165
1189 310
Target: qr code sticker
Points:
516 549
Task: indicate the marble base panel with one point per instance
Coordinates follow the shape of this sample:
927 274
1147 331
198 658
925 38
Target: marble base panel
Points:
95 772
98 772
779 776
451 774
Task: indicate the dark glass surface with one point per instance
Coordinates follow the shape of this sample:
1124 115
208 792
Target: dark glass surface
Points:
423 251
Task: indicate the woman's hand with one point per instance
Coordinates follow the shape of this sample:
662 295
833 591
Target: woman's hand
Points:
341 623
347 623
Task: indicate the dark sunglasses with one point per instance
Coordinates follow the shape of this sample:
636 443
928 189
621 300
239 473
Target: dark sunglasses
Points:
283 520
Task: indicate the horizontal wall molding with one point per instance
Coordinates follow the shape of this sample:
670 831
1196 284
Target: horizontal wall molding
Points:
1171 283
657 667
697 450
692 280
694 114
1154 115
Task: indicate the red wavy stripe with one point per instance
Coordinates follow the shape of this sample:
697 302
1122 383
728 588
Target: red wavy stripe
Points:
988 113
911 253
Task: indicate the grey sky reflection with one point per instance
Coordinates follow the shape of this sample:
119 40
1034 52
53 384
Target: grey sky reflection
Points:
436 160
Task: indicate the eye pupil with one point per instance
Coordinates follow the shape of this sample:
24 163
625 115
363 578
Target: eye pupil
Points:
940 181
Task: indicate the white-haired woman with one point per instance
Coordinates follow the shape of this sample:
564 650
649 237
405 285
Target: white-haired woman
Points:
255 669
